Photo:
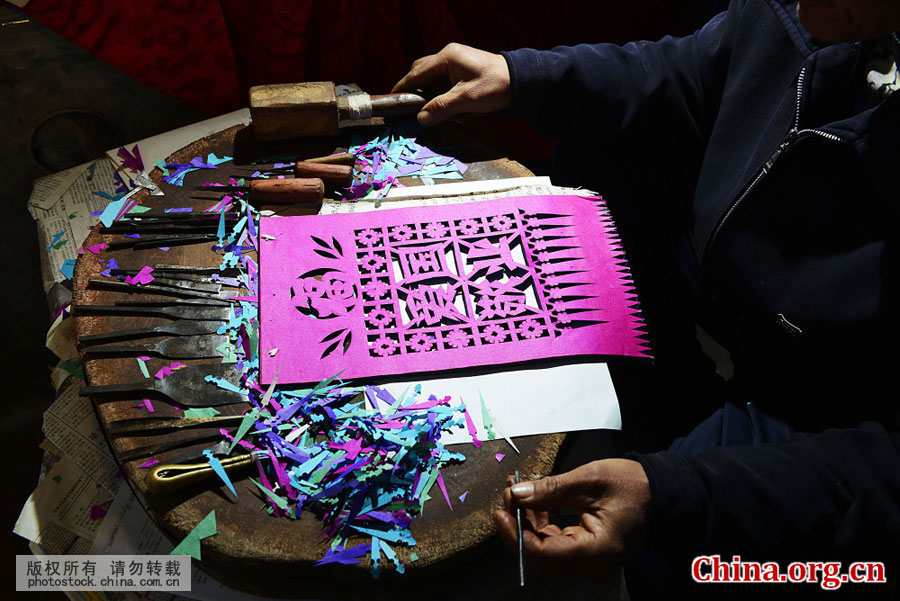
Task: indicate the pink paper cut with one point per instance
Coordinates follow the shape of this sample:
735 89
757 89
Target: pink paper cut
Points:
443 287
142 277
499 457
96 248
440 481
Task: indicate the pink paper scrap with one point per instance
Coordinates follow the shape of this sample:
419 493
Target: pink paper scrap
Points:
142 277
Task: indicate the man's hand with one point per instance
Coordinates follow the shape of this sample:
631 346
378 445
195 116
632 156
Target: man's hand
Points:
612 499
478 82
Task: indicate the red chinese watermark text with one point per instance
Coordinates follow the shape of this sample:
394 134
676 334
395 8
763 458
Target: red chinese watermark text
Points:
829 574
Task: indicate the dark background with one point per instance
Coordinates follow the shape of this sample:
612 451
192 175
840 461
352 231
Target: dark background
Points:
80 77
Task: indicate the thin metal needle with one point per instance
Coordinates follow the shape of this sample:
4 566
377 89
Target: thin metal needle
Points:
521 549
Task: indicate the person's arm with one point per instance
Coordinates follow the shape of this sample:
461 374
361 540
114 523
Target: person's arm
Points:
642 91
834 495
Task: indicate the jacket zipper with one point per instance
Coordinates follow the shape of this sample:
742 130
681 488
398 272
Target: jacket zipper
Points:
792 136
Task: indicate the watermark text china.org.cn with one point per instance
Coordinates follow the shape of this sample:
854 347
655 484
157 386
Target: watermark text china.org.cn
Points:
829 574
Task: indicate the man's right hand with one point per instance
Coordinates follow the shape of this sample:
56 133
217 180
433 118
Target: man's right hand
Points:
465 79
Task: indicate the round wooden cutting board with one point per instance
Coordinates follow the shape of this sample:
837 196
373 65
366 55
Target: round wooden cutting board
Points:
252 550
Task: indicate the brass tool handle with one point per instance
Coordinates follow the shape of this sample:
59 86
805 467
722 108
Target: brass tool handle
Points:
287 191
166 478
335 175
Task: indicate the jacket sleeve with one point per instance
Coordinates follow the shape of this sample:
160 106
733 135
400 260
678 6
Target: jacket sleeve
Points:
828 496
637 92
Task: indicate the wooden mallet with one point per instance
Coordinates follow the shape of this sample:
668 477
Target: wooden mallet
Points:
295 110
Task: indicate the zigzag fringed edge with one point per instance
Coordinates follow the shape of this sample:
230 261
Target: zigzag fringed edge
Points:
631 298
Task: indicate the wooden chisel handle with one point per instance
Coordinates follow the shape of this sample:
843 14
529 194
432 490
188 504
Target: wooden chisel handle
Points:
300 190
343 158
335 175
390 105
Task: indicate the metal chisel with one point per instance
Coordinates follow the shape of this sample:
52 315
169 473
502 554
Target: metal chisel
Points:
146 243
181 302
141 426
179 347
195 312
187 386
153 289
182 327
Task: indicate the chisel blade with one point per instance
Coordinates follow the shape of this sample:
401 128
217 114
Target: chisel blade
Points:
141 426
180 347
182 327
191 312
186 387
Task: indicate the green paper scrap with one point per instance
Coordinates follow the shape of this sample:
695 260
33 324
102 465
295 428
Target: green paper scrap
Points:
281 502
162 166
138 209
228 352
73 366
191 543
248 421
431 480
143 367
202 412
486 418
57 479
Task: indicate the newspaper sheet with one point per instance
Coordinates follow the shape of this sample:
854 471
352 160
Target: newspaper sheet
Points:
160 147
64 225
71 424
128 529
63 513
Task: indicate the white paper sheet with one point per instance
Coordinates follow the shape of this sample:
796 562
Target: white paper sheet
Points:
161 146
564 398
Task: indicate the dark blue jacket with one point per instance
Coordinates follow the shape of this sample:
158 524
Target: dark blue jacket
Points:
786 226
